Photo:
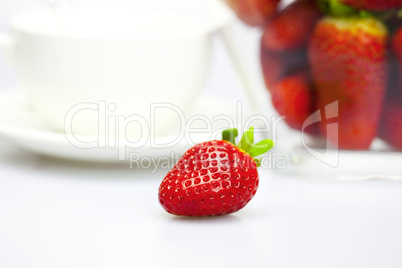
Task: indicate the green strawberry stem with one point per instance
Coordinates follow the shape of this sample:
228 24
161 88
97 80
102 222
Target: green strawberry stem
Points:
247 143
335 8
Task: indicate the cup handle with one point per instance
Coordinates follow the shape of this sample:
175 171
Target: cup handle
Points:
6 45
247 78
224 18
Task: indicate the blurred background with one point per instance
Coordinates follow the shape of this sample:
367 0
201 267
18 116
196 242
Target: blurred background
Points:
222 75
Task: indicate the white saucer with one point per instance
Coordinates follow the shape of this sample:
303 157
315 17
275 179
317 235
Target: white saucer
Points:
20 126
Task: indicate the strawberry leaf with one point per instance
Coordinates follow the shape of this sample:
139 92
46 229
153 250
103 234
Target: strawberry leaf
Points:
335 8
261 148
247 140
366 14
247 143
230 135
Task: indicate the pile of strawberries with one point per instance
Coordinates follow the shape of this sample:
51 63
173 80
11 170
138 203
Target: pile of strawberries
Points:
319 52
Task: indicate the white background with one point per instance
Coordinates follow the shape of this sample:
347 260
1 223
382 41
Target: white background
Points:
64 214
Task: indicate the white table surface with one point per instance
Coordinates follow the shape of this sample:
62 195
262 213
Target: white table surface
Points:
63 214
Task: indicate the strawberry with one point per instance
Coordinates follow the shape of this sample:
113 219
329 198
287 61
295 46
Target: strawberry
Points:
291 28
391 123
215 177
294 98
397 50
277 65
348 57
375 5
253 12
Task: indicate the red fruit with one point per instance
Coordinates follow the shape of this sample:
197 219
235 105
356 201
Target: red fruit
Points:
276 66
291 28
294 98
397 49
391 123
376 5
214 178
253 12
348 58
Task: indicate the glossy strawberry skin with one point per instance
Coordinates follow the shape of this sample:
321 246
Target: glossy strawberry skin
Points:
253 12
349 65
375 5
291 28
294 97
397 51
212 178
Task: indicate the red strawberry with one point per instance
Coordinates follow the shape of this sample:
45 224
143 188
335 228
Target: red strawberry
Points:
253 12
294 98
376 5
391 123
276 66
348 58
214 178
291 28
397 49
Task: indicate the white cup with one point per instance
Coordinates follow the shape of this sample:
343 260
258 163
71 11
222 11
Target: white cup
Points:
70 63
